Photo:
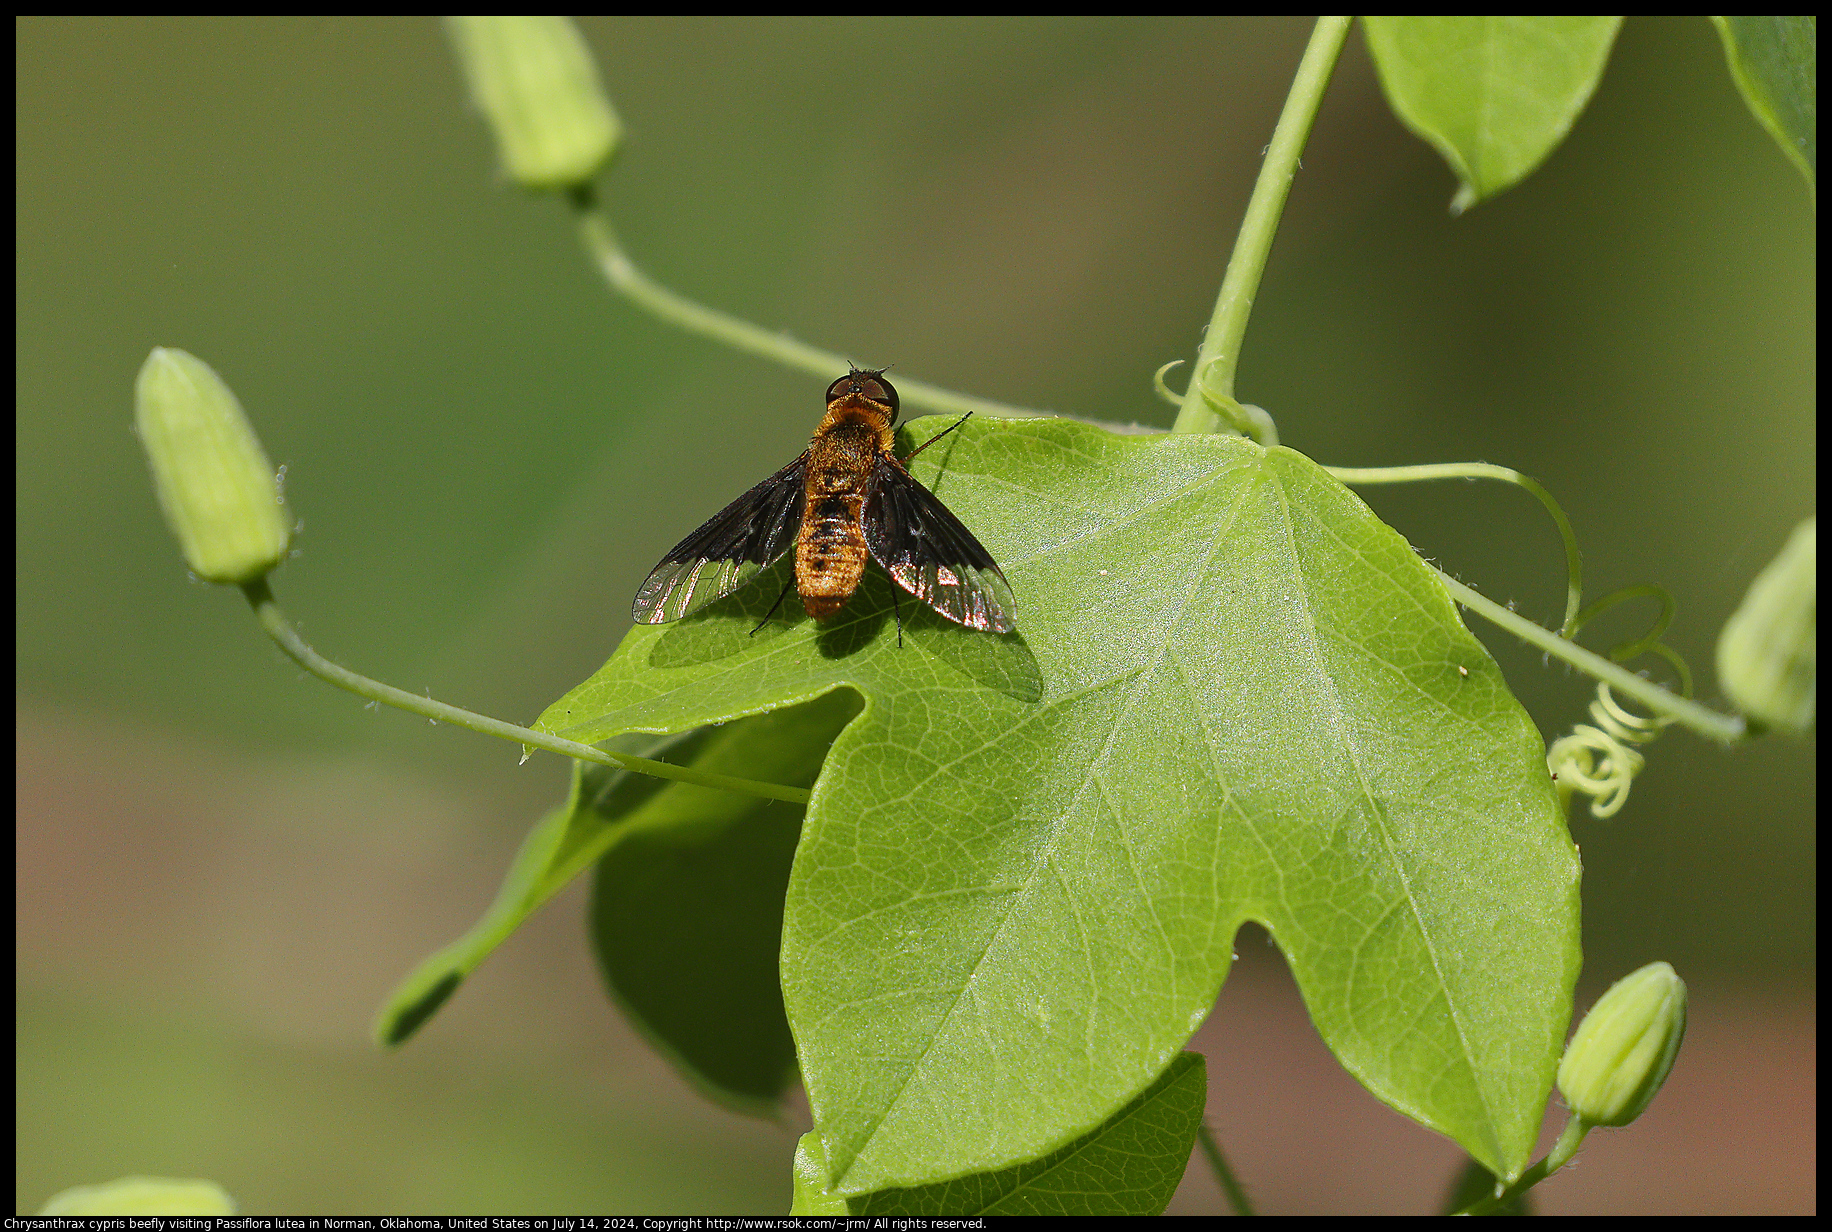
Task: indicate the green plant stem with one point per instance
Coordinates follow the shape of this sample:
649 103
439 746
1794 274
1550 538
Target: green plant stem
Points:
1224 1175
1208 403
1574 560
627 280
1560 1155
272 619
1727 729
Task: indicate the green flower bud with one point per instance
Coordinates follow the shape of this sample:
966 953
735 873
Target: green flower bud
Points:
1623 1049
142 1195
534 80
214 482
1768 654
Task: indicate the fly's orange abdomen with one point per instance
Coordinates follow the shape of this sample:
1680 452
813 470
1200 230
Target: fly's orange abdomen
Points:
829 555
830 551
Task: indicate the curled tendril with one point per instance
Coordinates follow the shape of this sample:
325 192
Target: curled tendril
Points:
1164 391
1601 759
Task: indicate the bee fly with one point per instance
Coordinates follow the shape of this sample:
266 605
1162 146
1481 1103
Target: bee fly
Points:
846 497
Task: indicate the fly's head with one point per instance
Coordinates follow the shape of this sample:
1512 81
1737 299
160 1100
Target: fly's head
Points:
864 387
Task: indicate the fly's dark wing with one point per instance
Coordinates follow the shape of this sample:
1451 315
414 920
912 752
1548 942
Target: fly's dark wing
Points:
930 554
734 546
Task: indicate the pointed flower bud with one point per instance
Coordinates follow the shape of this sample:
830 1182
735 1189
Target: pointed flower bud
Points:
1768 654
215 484
1625 1046
534 81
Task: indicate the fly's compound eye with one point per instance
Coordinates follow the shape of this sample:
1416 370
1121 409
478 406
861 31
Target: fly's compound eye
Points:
879 390
865 384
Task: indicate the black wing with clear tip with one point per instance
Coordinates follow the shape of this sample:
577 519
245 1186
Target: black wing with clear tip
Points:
733 547
930 554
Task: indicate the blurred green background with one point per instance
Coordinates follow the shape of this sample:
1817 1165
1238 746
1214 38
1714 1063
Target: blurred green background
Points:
224 865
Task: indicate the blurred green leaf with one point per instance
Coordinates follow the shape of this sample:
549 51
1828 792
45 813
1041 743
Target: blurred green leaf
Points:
687 908
1252 701
561 845
1775 62
1494 95
1130 1165
686 913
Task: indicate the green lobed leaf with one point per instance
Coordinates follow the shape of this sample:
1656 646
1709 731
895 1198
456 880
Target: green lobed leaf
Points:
1130 1165
1775 63
1233 694
1494 95
686 912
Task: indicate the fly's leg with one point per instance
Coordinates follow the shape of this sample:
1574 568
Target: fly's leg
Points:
783 594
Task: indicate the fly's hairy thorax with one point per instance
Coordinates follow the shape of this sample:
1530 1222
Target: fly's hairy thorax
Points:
830 551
